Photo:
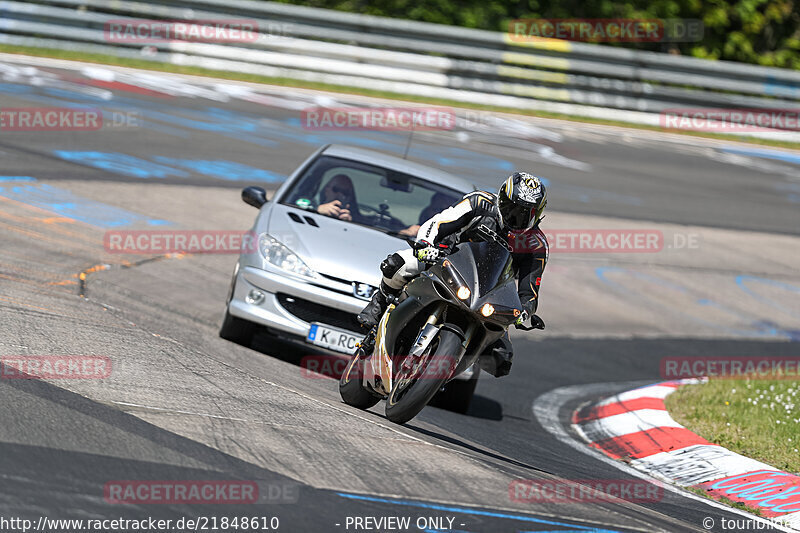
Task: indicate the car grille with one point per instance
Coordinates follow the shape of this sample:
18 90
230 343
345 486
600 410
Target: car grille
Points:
314 312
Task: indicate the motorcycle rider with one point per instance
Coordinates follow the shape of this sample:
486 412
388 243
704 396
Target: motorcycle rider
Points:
514 212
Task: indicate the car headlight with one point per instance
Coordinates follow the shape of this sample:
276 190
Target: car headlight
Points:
282 257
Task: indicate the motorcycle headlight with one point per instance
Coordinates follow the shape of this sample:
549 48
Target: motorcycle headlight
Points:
282 257
455 281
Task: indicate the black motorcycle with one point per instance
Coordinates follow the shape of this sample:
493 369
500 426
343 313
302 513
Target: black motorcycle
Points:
437 328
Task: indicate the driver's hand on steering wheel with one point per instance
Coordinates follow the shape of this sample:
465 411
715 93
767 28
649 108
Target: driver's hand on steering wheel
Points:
334 209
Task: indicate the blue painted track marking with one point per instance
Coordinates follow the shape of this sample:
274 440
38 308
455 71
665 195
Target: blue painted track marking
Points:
16 179
226 170
165 118
244 127
121 163
64 203
62 97
475 512
742 281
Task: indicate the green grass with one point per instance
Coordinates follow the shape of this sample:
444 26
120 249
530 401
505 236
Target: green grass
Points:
759 419
286 82
727 501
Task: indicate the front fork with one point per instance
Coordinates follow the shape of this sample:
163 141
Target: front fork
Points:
426 336
427 333
381 355
381 377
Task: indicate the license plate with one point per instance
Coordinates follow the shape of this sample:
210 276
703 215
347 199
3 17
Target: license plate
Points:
333 339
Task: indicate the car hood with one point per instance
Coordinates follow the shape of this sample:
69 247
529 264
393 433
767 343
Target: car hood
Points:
339 249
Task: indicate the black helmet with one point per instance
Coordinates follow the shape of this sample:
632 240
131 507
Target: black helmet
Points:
521 201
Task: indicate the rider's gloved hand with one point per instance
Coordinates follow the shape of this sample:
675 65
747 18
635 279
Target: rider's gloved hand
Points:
536 321
428 254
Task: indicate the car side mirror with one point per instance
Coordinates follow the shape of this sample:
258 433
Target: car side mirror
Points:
255 196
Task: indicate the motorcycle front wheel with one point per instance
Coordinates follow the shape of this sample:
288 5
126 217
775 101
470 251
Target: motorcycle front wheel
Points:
411 394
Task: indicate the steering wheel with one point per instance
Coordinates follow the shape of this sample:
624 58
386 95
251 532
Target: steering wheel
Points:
383 216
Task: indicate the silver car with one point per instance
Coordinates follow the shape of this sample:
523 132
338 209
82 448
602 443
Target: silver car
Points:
321 239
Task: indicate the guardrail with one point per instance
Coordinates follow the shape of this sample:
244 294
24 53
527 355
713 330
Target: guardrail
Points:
407 57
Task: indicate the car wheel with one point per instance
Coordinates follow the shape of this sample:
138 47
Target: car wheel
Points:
238 330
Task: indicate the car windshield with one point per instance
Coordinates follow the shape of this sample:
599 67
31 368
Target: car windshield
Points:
368 195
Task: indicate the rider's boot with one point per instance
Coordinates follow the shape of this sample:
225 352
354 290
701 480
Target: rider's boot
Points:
497 359
372 313
367 344
503 358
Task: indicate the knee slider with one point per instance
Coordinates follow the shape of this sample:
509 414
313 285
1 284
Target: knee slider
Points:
392 264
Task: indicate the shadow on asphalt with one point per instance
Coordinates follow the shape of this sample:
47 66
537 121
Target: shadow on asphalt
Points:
294 353
486 408
462 444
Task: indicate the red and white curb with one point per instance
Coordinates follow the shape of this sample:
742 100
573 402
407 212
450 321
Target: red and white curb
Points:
635 427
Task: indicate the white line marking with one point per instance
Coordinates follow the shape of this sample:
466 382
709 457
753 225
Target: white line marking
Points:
697 464
178 411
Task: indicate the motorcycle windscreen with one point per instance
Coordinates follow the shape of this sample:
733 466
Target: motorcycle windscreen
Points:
492 264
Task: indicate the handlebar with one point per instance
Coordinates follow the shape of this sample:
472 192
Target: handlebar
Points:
419 244
486 232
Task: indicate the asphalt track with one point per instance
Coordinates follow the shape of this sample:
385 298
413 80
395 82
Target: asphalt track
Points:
182 404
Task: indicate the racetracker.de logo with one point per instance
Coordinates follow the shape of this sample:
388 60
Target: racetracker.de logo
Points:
145 31
378 118
730 120
50 119
331 366
584 491
606 30
179 241
588 30
181 492
731 367
590 241
55 367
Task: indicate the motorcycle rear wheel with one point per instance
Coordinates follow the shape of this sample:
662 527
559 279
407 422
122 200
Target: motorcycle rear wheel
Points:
351 388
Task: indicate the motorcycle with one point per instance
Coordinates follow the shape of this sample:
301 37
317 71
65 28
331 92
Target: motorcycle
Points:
436 328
